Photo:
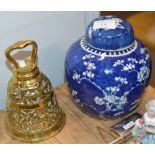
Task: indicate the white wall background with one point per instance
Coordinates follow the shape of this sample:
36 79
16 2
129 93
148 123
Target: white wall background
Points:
53 31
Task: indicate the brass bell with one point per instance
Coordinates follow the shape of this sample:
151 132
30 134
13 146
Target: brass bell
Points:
32 111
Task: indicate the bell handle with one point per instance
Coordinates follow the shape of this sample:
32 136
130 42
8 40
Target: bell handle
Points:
20 45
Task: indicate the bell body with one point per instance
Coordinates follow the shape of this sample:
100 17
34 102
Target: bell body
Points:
108 69
33 113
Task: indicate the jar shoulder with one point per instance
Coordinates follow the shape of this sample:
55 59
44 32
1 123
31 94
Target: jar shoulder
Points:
77 55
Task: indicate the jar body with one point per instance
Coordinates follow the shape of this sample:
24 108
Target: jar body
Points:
107 83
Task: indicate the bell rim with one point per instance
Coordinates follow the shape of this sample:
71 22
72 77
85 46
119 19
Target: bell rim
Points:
51 132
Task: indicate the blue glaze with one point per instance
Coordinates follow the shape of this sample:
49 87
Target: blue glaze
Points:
120 34
108 83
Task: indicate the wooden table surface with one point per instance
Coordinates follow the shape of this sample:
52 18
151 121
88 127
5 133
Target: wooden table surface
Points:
79 127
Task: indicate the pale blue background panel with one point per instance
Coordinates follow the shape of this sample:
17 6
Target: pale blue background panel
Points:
53 31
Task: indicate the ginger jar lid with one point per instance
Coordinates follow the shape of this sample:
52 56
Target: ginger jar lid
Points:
109 33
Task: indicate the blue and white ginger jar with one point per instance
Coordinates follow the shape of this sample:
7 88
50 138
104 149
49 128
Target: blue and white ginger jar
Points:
108 69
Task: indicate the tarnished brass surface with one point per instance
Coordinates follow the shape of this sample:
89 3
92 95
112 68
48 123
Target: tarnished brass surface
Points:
33 113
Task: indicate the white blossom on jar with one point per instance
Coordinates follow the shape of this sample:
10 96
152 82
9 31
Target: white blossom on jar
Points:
142 50
89 74
143 74
76 76
142 61
118 62
88 56
147 57
74 93
133 60
98 100
113 89
122 80
129 66
90 66
111 99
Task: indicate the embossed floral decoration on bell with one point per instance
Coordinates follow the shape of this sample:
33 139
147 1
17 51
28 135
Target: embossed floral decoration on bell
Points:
33 113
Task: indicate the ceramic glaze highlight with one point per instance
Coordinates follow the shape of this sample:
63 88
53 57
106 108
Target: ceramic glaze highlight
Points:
107 70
